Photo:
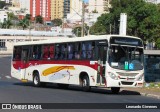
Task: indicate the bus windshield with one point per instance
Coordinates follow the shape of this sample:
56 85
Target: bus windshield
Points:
126 57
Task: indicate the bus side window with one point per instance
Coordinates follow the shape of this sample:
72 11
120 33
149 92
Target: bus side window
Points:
70 51
83 51
77 50
39 52
57 51
51 51
45 52
63 51
36 52
88 50
17 53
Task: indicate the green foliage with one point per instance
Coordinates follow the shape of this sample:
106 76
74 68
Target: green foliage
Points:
57 22
28 16
39 19
24 23
77 30
11 16
6 24
151 85
158 84
102 26
142 19
95 11
158 42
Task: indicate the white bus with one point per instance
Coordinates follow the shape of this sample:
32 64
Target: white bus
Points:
111 61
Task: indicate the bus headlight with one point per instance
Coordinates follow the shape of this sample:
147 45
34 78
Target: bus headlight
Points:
140 78
113 76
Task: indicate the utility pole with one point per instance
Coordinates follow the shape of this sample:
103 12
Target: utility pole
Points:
83 12
89 23
29 30
63 25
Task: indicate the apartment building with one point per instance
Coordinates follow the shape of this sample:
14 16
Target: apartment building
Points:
60 8
25 5
57 9
76 7
98 6
66 8
42 8
3 16
15 3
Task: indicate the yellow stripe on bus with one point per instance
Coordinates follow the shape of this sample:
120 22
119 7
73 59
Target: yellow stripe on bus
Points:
56 69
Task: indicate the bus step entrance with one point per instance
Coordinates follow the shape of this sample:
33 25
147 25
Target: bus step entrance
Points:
100 79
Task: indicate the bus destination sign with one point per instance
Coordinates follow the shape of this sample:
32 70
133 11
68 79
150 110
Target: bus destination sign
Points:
126 41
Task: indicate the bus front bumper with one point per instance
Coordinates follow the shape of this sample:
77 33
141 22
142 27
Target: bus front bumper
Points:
124 83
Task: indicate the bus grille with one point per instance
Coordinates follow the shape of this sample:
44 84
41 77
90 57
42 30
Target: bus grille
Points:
127 83
127 74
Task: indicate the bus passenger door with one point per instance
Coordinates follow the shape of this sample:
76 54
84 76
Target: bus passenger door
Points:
102 57
24 62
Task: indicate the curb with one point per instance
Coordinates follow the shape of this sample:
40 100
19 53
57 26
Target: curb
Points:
150 95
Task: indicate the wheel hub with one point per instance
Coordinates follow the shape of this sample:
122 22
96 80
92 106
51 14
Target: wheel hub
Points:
36 80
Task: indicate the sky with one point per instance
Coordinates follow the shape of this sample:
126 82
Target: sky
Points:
85 0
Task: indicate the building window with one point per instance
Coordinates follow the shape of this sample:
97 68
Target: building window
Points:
2 43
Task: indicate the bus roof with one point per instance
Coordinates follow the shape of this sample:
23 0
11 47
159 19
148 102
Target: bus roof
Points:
76 39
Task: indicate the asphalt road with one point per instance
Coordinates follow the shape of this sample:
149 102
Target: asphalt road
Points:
13 91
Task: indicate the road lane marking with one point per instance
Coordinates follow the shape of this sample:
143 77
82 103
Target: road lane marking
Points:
8 77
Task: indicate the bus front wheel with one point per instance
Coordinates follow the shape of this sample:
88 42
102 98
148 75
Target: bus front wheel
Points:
36 80
115 90
85 84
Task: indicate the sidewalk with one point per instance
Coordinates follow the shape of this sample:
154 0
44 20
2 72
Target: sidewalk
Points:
153 92
5 53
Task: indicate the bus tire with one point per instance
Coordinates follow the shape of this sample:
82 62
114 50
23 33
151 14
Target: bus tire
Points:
36 80
115 90
63 86
85 84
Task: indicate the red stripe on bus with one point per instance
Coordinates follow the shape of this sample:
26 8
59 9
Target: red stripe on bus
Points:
22 65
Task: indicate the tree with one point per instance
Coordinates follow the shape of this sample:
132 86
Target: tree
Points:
77 30
28 16
158 43
57 22
102 26
142 19
6 24
11 16
39 19
24 23
94 11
